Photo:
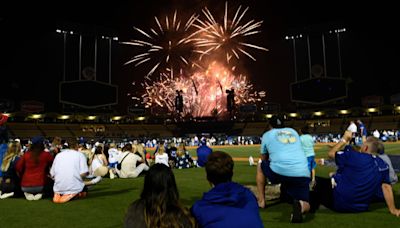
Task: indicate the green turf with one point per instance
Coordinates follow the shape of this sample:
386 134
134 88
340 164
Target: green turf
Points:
107 202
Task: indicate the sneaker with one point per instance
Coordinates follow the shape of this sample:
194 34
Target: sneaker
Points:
7 195
251 161
112 175
28 196
297 216
38 196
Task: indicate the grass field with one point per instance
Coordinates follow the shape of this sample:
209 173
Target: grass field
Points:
107 202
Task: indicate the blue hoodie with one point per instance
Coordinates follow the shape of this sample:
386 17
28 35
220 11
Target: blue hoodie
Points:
202 154
227 205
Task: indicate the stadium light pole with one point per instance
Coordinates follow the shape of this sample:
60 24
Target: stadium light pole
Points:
295 59
109 59
80 56
309 55
95 58
324 54
338 31
64 54
339 55
293 38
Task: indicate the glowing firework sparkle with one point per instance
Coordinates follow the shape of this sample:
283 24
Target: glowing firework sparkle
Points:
168 45
204 92
174 44
227 36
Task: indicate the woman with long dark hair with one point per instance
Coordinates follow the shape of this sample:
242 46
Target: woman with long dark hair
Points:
98 165
33 169
159 204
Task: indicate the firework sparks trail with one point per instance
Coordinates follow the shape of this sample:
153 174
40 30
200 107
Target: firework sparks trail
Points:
167 45
203 91
170 45
226 36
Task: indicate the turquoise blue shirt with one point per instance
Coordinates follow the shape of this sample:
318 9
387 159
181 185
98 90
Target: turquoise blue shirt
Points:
286 155
307 142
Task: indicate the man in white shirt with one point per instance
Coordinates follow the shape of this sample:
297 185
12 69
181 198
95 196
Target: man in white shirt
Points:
376 134
128 162
353 129
68 170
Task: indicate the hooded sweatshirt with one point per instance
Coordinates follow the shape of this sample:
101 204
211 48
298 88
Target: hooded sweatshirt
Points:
227 205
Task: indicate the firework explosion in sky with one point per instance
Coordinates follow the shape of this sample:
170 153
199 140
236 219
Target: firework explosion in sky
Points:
201 50
204 91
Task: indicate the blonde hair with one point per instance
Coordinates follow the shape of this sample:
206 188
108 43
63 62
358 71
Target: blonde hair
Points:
140 150
181 150
161 150
13 150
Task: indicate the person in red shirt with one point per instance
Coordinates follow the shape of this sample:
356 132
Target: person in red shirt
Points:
33 169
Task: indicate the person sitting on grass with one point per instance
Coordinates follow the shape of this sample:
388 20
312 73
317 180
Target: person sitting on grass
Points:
202 153
128 161
161 156
227 204
183 159
361 178
307 143
140 151
113 155
33 169
284 162
159 204
68 170
98 165
10 182
381 154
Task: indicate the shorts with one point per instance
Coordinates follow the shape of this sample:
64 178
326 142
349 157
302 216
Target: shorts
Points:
297 188
311 163
113 165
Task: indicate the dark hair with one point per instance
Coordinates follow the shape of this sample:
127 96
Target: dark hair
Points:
98 150
36 149
305 130
127 147
72 143
219 167
276 121
161 198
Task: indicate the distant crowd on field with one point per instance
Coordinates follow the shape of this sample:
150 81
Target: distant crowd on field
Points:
66 169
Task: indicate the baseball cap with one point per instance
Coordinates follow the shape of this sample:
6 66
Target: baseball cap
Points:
276 121
38 140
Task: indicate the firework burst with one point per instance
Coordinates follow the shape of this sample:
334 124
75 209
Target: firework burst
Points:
203 91
168 45
227 36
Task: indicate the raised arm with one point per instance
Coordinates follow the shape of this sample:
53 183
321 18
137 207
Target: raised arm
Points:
345 139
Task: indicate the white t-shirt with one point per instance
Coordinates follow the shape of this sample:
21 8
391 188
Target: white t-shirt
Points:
66 171
376 134
163 159
113 155
96 163
352 127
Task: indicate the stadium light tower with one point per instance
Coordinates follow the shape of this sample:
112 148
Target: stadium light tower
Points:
293 38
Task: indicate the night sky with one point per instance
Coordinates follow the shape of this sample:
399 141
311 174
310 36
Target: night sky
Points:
31 51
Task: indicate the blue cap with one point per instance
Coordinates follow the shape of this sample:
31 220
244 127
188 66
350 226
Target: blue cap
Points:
38 140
